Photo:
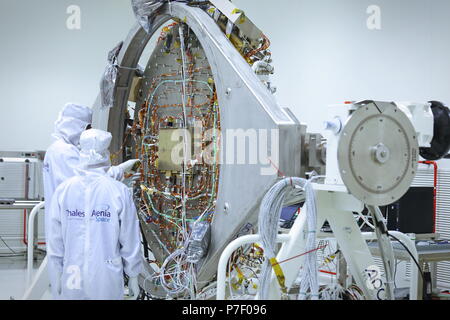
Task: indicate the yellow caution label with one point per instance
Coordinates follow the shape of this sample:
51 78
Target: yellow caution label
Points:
330 259
279 273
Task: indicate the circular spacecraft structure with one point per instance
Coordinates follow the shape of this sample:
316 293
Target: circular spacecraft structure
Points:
378 153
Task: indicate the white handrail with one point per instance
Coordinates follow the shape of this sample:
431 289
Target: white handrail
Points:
236 244
232 247
30 249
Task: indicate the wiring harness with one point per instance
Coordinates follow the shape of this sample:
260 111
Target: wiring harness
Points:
269 218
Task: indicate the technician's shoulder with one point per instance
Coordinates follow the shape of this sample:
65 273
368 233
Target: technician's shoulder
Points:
68 183
118 187
124 188
60 149
64 186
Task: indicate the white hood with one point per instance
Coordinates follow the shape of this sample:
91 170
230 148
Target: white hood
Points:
94 154
72 122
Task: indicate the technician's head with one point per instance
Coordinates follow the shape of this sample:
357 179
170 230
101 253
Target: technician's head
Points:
73 120
95 149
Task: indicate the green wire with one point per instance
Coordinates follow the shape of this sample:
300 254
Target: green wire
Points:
146 146
164 215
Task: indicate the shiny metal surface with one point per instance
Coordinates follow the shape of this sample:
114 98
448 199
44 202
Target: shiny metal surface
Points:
245 104
378 153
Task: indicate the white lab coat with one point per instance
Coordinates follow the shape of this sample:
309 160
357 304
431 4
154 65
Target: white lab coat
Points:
94 238
59 165
62 158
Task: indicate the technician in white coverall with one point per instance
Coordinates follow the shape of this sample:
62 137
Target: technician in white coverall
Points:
63 155
94 229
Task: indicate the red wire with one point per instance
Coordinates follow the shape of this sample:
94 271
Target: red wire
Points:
436 172
280 173
303 254
328 272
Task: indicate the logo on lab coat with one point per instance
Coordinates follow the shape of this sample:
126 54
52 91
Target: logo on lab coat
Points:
101 214
75 214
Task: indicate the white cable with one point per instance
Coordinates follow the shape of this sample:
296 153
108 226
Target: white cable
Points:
309 274
183 279
177 283
183 58
332 292
269 216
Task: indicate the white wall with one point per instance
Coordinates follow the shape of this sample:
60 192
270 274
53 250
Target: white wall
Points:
323 53
44 64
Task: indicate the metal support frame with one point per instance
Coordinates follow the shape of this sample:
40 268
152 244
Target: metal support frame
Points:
341 269
237 86
26 206
415 284
337 207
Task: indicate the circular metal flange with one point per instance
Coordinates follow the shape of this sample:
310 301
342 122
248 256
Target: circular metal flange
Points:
378 153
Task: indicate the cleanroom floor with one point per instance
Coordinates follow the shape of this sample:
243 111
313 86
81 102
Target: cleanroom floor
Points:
13 273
